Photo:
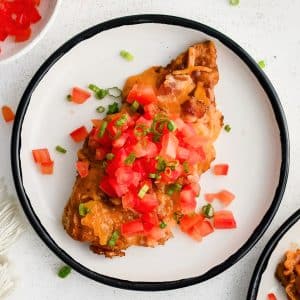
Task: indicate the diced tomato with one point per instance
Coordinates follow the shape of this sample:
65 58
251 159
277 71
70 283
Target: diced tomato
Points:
117 161
142 93
155 234
145 148
195 141
120 142
126 175
3 35
129 200
182 153
47 168
195 188
221 169
170 176
41 156
195 233
79 134
271 296
22 35
225 197
187 200
120 189
210 197
79 95
224 219
106 187
132 227
147 204
82 168
100 153
205 228
96 122
169 146
196 155
8 114
149 220
189 221
150 110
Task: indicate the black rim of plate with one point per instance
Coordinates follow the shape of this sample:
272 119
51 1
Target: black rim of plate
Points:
267 253
131 20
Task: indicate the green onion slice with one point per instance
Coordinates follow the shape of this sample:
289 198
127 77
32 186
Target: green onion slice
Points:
99 93
186 167
110 156
102 129
113 108
69 97
64 271
163 225
234 2
113 239
83 210
227 128
140 130
122 121
126 55
262 64
60 149
114 92
134 106
161 164
173 187
208 210
171 126
100 109
130 159
142 192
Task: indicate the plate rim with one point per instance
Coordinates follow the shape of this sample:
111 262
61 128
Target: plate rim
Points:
134 20
266 254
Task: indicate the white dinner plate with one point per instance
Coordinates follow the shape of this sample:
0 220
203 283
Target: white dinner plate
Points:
263 280
257 148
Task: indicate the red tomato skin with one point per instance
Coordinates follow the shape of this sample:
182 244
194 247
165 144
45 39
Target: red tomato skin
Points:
221 169
47 168
79 134
187 200
7 113
225 197
41 156
142 93
224 219
271 296
100 153
22 35
147 204
205 228
79 95
82 168
132 227
106 187
149 220
169 144
129 200
210 197
187 222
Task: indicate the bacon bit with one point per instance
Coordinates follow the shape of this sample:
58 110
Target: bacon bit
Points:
8 114
189 70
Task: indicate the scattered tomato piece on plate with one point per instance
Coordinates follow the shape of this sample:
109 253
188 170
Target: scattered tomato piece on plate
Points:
7 113
82 168
43 159
224 219
221 169
79 134
79 95
47 168
272 296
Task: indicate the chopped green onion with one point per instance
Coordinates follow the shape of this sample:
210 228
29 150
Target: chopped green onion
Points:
227 128
171 126
100 109
152 175
122 120
173 164
83 210
113 239
234 2
172 188
162 225
113 108
114 92
130 159
64 271
186 167
177 216
110 156
161 164
99 93
262 64
102 129
140 130
142 192
60 149
134 106
208 210
126 55
69 97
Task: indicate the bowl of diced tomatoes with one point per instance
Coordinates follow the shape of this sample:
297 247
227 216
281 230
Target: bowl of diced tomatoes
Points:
22 24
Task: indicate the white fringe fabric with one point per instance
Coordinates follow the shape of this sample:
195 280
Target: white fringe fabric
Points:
10 228
5 282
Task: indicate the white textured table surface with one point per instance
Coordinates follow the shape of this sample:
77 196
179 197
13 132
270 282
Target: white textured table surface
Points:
267 29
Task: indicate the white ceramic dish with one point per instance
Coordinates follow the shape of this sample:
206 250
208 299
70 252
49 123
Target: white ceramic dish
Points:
11 50
263 281
257 148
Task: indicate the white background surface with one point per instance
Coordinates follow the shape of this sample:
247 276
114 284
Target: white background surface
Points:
267 29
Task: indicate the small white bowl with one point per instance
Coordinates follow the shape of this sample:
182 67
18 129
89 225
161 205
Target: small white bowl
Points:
11 50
